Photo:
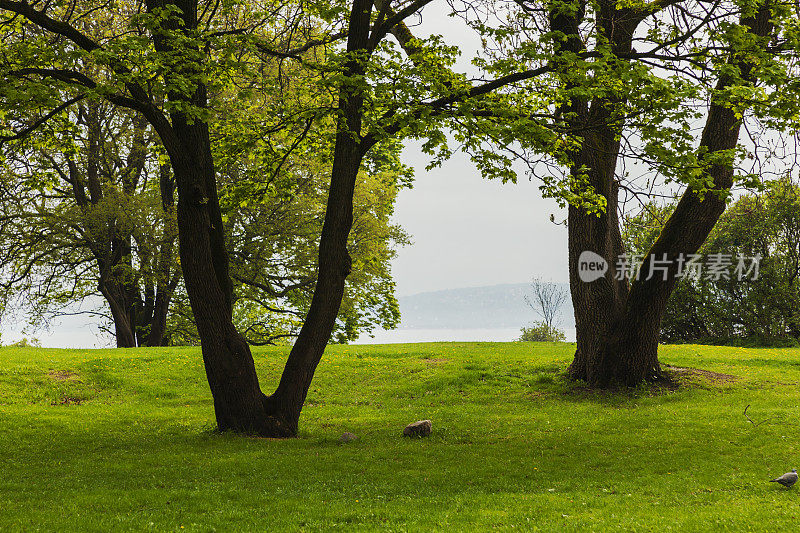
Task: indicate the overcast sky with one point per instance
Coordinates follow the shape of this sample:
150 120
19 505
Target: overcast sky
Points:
469 231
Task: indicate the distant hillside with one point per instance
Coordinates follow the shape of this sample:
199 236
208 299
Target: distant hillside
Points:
498 306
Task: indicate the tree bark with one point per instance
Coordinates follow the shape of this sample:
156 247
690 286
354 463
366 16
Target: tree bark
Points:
597 304
626 349
334 259
116 298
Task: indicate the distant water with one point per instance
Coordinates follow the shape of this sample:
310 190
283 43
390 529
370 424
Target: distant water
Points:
447 335
493 314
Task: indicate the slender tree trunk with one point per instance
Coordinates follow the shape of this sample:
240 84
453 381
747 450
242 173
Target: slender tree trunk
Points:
334 259
166 279
334 267
239 404
165 288
158 325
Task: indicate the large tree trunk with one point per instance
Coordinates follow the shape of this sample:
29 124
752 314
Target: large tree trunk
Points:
596 304
599 303
238 400
124 329
627 349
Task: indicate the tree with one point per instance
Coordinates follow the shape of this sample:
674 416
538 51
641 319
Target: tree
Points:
90 212
546 300
610 102
162 67
166 64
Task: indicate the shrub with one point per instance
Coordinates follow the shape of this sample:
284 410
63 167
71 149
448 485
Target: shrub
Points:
541 332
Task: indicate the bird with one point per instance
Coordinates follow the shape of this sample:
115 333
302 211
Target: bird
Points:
787 480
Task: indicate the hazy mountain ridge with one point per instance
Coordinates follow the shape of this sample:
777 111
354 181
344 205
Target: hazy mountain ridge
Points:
496 306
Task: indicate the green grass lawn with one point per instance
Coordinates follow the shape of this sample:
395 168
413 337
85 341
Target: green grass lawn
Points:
110 440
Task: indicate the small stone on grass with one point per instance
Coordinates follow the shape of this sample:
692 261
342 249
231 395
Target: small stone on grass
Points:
420 428
347 437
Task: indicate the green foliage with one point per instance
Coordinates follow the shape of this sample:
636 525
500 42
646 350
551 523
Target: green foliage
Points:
272 121
273 155
83 218
754 312
109 437
26 343
541 332
651 98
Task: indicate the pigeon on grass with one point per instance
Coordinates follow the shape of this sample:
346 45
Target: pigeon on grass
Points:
787 480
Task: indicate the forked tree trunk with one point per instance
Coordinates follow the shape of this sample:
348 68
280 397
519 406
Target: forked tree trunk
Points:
239 404
627 344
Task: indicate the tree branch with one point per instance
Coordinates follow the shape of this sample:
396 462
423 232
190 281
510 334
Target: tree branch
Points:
55 26
439 104
394 20
295 52
30 129
140 101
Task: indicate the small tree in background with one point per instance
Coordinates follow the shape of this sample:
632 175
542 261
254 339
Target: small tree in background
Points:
541 332
546 301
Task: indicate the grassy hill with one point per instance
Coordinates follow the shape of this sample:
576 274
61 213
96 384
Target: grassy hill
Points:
115 440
